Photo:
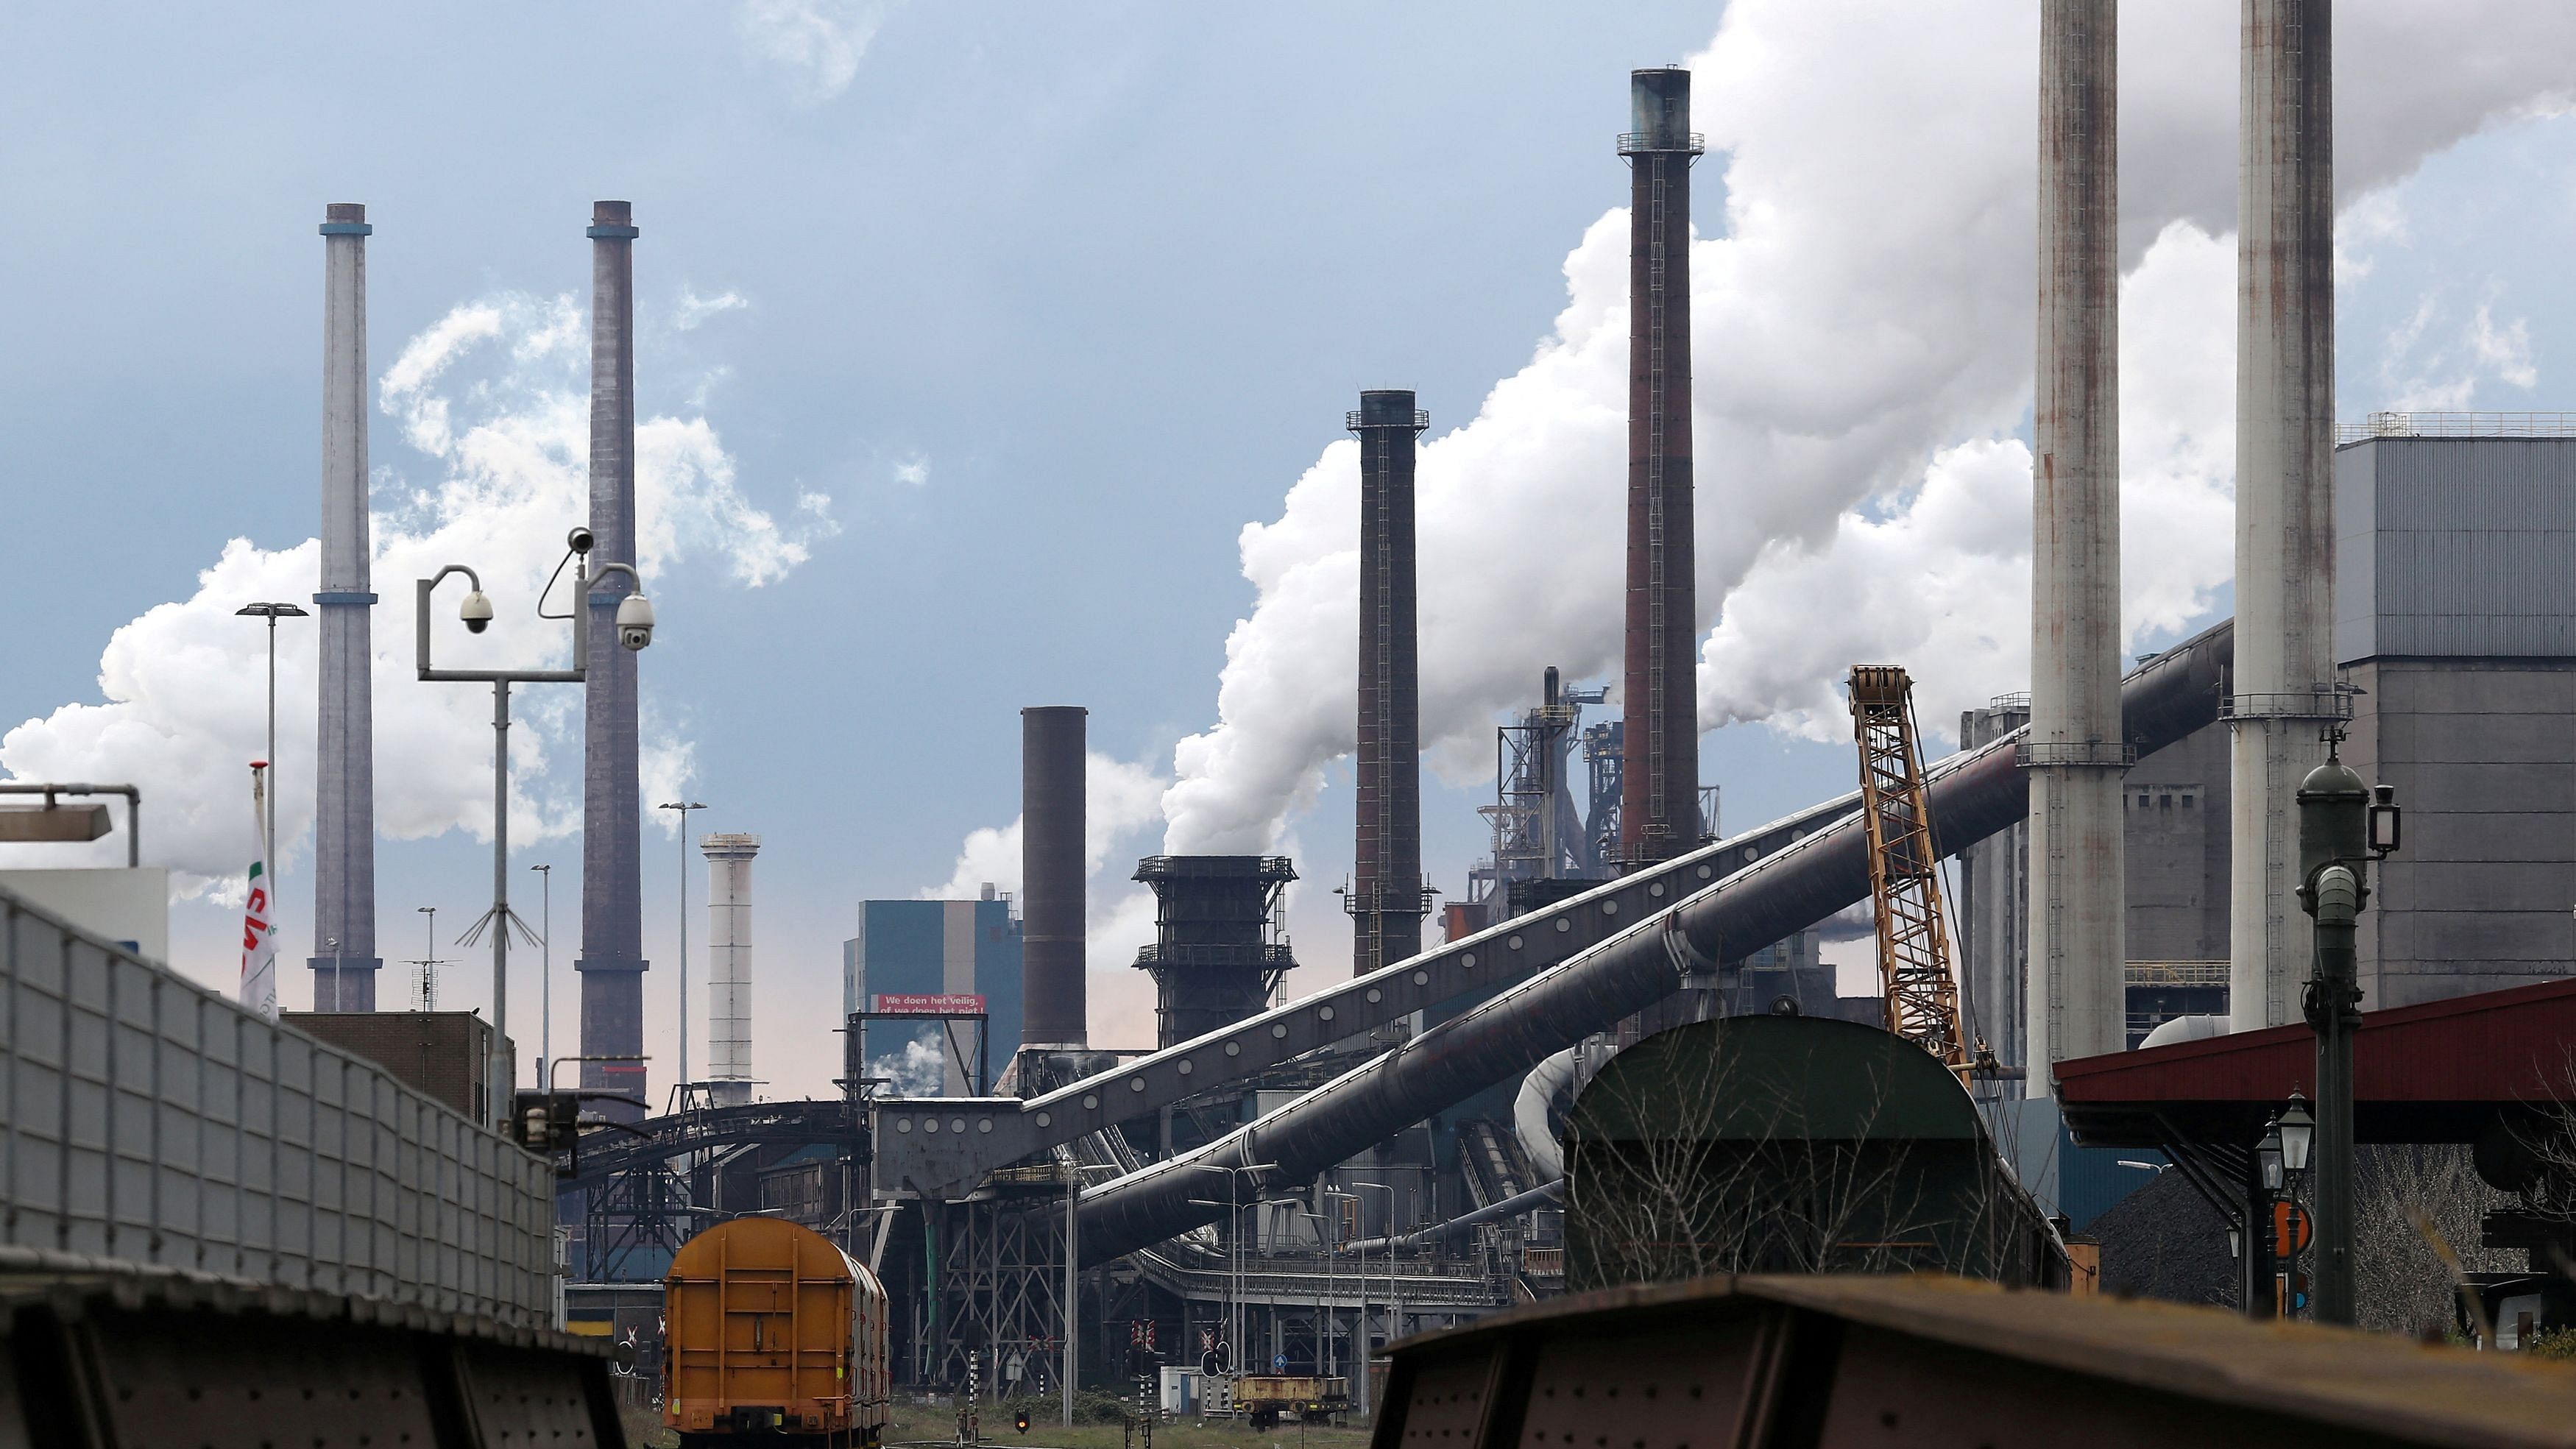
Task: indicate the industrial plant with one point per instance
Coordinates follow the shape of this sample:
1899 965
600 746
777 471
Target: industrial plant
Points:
2170 954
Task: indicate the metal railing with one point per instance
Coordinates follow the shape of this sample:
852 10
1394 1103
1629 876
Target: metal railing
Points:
2176 973
2457 425
2322 703
2116 754
147 1123
1634 143
1354 421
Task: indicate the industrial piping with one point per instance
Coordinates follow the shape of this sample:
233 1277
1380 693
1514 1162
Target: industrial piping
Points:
612 962
2285 693
1385 898
2075 1004
1053 992
344 785
1973 796
1659 779
1543 1196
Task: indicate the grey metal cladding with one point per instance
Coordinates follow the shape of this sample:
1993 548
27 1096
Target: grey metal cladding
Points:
2452 547
147 1121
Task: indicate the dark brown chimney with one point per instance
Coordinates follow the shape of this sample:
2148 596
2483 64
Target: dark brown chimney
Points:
1052 960
1385 900
1659 786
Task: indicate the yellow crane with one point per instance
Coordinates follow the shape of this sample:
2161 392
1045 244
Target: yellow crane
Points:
1904 873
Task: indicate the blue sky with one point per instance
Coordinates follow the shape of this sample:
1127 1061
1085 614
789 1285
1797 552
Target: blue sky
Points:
1050 303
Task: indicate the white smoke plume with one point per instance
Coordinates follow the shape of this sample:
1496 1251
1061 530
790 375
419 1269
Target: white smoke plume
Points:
919 1070
485 463
1862 336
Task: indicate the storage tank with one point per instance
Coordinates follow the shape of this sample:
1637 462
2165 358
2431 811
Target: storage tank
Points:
772 1333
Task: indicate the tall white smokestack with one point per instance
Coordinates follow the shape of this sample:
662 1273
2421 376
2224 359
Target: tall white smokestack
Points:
2077 751
344 960
2284 693
729 964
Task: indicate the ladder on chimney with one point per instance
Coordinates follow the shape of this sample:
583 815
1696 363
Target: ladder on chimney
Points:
1904 874
1657 826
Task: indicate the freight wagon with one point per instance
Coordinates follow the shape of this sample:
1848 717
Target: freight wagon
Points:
772 1336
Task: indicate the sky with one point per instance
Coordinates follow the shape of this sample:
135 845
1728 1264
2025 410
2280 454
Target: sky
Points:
994 356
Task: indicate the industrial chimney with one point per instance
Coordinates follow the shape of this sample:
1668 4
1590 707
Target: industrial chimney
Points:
1659 789
729 964
1385 899
2075 1003
344 787
1052 960
612 903
2284 690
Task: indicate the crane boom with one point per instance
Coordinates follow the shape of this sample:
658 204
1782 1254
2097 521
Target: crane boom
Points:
1904 873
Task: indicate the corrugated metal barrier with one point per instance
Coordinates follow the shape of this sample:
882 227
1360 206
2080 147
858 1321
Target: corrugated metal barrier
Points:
146 1122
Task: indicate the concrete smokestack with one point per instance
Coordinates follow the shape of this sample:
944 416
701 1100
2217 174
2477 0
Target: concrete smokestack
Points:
1385 900
729 964
1659 783
1053 991
612 902
344 794
2284 692
2076 1001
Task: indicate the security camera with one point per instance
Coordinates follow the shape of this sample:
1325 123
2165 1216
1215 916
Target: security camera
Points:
579 540
476 611
635 621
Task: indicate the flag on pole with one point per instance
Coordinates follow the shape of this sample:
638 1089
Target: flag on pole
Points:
259 946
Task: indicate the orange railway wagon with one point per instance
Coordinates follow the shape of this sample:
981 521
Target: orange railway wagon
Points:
773 1336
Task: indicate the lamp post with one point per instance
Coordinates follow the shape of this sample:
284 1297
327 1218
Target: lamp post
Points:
634 631
1234 1250
545 970
684 810
1359 1320
1394 1298
2343 825
268 822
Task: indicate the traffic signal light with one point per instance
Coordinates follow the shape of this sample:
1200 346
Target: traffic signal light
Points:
1020 1421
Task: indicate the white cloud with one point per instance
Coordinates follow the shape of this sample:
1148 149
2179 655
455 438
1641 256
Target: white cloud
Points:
489 404
816 44
912 470
694 310
2435 362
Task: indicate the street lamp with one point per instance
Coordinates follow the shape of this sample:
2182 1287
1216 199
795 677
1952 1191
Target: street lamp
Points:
1359 1320
545 969
2267 1156
2344 824
268 824
634 631
2298 1132
1394 1297
684 810
1234 1248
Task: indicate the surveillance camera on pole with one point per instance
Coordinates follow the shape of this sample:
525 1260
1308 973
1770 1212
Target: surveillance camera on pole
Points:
634 631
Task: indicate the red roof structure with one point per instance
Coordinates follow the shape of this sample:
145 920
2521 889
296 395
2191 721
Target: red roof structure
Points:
2437 1071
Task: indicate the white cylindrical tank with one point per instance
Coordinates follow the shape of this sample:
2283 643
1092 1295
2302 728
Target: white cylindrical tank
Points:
729 963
